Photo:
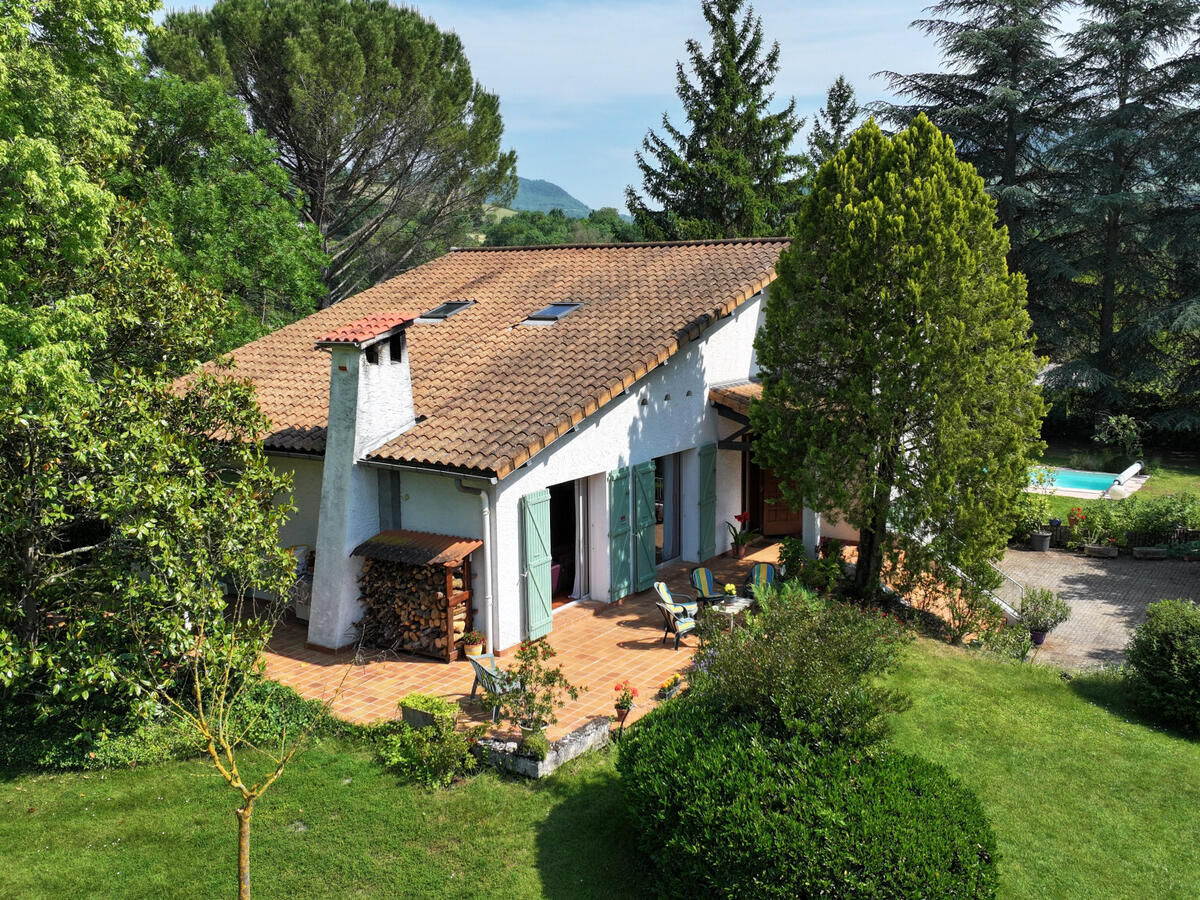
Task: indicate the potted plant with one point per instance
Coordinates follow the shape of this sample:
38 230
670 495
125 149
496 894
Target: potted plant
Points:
473 643
670 687
426 711
533 705
1033 508
1042 611
624 702
740 535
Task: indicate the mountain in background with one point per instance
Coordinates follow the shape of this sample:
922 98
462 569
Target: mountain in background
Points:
543 196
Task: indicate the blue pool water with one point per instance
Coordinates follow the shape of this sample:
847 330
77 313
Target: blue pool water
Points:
1079 480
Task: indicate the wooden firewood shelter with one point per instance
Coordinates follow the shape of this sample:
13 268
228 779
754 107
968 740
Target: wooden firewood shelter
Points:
417 588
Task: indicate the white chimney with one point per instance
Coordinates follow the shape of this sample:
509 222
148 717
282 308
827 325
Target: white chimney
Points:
370 402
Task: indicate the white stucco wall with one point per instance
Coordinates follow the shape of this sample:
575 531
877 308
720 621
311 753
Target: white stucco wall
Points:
301 526
666 412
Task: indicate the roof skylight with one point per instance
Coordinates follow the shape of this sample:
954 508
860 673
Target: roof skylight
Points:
552 313
447 309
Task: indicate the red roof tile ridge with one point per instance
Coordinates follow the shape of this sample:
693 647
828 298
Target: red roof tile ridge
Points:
366 328
629 245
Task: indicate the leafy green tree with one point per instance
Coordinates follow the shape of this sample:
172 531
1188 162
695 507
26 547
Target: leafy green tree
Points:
833 123
527 228
230 207
897 366
732 172
377 118
1004 98
115 502
1126 184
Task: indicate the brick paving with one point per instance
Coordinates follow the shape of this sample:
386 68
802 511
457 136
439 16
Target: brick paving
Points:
1108 599
598 645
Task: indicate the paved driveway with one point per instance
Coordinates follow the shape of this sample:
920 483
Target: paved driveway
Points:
1108 599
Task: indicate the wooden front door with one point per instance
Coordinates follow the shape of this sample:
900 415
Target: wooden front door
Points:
777 517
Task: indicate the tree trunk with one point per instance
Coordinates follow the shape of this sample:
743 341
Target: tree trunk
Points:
870 555
243 816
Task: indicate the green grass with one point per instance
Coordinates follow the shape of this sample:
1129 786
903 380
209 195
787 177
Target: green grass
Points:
1171 471
1085 801
335 825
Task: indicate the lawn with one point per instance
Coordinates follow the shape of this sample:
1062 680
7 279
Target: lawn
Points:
1084 803
335 825
1171 471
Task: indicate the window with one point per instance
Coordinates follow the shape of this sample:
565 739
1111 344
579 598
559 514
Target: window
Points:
552 313
446 310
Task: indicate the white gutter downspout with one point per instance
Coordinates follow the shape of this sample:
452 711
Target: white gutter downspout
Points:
485 514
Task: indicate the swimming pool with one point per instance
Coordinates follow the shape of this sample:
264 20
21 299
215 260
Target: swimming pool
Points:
1080 480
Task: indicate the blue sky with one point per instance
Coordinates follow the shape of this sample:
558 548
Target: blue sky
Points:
580 82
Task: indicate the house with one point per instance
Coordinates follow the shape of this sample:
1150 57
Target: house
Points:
571 417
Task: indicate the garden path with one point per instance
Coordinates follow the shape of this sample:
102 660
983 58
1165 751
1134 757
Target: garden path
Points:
1108 599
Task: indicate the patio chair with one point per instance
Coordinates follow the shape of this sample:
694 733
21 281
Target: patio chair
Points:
675 622
761 574
689 606
491 679
706 586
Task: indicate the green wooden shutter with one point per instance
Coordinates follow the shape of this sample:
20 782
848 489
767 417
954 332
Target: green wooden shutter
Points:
619 581
535 562
643 524
708 501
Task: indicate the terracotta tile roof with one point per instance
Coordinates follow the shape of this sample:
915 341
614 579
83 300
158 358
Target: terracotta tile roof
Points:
736 396
494 392
366 328
418 548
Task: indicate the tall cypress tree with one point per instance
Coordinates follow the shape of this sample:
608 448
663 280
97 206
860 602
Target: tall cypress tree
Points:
1002 99
731 173
897 365
1128 198
833 123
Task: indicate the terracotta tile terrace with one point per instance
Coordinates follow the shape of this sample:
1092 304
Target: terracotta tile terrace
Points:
598 645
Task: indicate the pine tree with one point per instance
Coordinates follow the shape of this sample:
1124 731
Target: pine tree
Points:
833 123
1002 98
1128 201
897 364
732 173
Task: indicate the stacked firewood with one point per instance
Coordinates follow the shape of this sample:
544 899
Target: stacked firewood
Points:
406 606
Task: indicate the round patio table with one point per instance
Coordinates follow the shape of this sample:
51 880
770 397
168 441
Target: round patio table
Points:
733 607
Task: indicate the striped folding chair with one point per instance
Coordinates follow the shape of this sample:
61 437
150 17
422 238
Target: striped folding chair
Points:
761 574
706 586
683 601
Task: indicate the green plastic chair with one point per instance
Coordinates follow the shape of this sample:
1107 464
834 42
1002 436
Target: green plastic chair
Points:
683 601
761 574
706 586
675 622
491 679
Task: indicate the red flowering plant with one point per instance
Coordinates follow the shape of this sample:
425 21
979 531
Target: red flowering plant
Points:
1076 516
625 694
740 534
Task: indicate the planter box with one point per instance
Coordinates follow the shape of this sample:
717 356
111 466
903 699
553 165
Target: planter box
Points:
1100 551
503 754
1149 552
417 718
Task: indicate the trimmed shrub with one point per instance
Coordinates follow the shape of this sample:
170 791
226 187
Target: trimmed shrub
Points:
728 809
805 669
428 756
1164 656
535 746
